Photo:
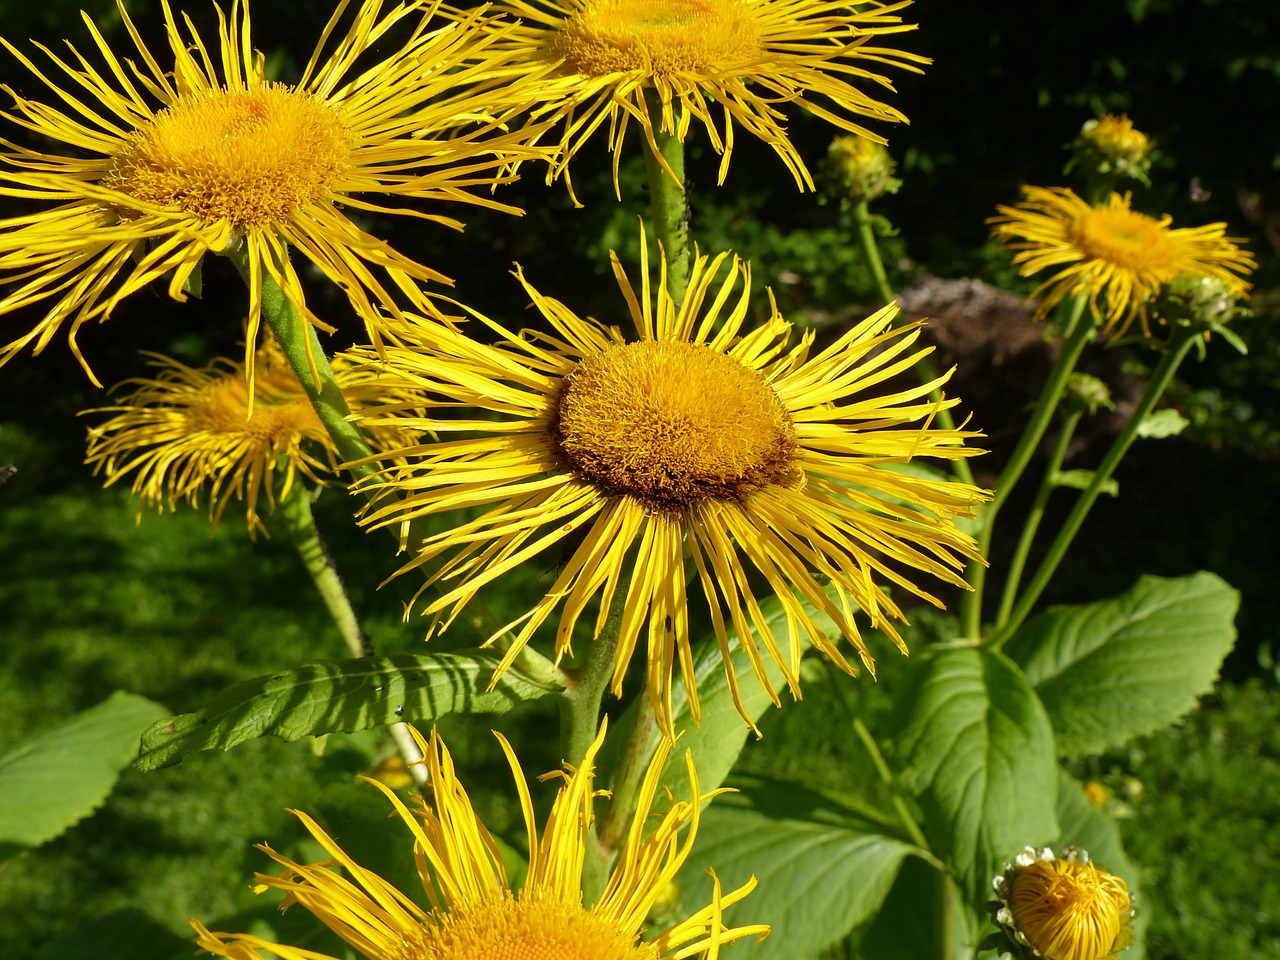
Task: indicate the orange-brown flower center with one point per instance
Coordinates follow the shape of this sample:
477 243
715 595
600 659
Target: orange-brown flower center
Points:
674 423
250 158
280 410
658 37
532 930
1126 239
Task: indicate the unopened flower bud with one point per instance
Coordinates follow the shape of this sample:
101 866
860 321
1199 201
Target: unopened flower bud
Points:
859 169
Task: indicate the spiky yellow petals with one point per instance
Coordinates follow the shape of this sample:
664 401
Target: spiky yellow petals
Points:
187 433
721 65
702 451
1120 258
138 168
467 908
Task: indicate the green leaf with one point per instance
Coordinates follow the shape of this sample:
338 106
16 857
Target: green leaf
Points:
1085 826
1166 422
975 746
338 696
58 778
907 926
1080 479
1111 671
821 868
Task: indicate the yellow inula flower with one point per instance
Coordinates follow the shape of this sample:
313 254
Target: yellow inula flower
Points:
471 910
1119 257
1116 139
190 430
142 169
693 59
1063 908
700 444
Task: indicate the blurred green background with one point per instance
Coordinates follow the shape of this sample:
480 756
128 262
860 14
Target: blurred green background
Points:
91 603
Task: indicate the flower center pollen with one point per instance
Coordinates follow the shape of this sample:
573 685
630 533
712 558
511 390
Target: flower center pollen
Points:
659 37
531 930
1124 238
247 157
674 423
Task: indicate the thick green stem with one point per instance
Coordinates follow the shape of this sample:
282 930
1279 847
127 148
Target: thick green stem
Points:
664 171
612 828
1029 527
294 514
1078 331
871 251
1174 354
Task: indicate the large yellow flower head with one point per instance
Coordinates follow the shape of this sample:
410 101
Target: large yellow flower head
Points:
719 63
472 911
189 432
699 445
142 168
1119 257
1063 907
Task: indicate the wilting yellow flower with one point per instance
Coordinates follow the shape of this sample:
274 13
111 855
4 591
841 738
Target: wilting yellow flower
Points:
701 444
696 58
1063 908
143 169
472 910
1119 257
187 431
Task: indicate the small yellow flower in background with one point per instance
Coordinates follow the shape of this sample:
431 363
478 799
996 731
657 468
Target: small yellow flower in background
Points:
187 432
1063 908
1116 138
700 444
1096 793
719 64
1121 258
859 169
472 911
142 169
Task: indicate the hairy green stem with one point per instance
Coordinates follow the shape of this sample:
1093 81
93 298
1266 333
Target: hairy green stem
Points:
1032 523
295 516
1077 332
664 172
871 251
1173 356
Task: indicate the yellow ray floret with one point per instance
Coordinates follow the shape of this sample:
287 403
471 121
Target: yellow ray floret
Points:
471 910
188 432
142 168
1120 258
722 65
702 452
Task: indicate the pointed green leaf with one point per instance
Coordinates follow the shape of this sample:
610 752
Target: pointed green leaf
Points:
1087 827
821 869
338 696
1111 671
1080 480
58 778
975 746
